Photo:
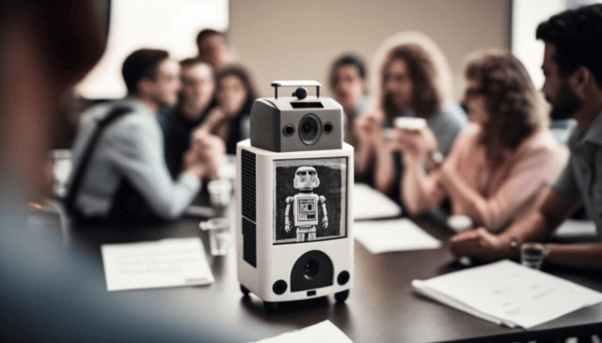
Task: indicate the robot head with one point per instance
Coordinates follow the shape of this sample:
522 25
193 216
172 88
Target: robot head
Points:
306 178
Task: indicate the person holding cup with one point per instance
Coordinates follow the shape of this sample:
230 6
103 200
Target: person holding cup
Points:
500 163
413 80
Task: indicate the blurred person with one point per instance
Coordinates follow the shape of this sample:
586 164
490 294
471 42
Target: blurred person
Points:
50 292
121 176
214 49
196 100
348 84
573 86
230 120
412 80
499 164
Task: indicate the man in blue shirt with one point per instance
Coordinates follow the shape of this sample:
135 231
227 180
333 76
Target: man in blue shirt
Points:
127 178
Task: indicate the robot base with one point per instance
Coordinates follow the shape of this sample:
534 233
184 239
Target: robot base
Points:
272 307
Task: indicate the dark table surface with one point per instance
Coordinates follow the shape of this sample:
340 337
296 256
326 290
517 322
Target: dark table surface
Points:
382 306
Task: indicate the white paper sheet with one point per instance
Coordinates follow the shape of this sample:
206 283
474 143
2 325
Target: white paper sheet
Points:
576 228
393 235
164 263
323 332
369 203
506 292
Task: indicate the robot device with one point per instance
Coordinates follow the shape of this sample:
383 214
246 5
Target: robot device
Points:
295 177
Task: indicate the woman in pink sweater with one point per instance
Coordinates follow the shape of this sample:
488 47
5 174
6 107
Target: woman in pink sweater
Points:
499 164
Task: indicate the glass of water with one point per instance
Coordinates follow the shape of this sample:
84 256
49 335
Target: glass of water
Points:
533 254
220 193
219 235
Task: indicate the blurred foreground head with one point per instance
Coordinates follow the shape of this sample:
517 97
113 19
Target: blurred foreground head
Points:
47 47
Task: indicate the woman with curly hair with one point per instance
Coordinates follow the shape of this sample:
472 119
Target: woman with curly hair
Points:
413 79
500 163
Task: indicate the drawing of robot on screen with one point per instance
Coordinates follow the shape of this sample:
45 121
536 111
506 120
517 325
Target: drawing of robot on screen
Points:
308 202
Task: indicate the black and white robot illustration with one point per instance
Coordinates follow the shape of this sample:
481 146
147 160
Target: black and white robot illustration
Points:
305 205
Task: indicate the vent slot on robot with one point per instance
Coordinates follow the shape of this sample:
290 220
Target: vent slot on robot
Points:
249 247
307 105
249 195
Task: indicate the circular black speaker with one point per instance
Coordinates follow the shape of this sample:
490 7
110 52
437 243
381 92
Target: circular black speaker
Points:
279 287
310 128
310 269
343 278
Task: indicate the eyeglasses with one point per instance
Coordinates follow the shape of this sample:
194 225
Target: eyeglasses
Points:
472 92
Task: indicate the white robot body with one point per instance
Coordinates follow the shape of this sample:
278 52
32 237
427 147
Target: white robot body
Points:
272 265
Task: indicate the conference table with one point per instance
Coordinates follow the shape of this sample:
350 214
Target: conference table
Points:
382 307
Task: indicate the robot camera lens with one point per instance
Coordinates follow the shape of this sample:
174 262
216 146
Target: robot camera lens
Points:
310 269
309 129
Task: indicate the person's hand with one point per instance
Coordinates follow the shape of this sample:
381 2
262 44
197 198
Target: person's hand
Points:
216 115
194 165
446 172
214 118
417 144
480 244
208 150
366 129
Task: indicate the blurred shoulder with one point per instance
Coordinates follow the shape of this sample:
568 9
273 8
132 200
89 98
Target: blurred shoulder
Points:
453 113
138 122
542 139
470 134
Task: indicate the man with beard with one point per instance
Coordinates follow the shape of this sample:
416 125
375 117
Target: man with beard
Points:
573 85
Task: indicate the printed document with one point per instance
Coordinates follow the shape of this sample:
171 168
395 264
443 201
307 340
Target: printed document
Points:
393 235
508 293
165 263
576 228
369 203
323 332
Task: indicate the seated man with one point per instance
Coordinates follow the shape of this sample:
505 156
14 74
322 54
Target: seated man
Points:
573 86
196 101
120 174
348 84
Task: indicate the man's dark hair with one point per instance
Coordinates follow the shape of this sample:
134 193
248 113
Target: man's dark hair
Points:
426 98
140 64
577 36
207 33
192 61
346 60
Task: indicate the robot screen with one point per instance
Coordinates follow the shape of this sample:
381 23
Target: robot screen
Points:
310 200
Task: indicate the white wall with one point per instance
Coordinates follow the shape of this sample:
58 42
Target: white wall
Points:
526 15
170 25
299 39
